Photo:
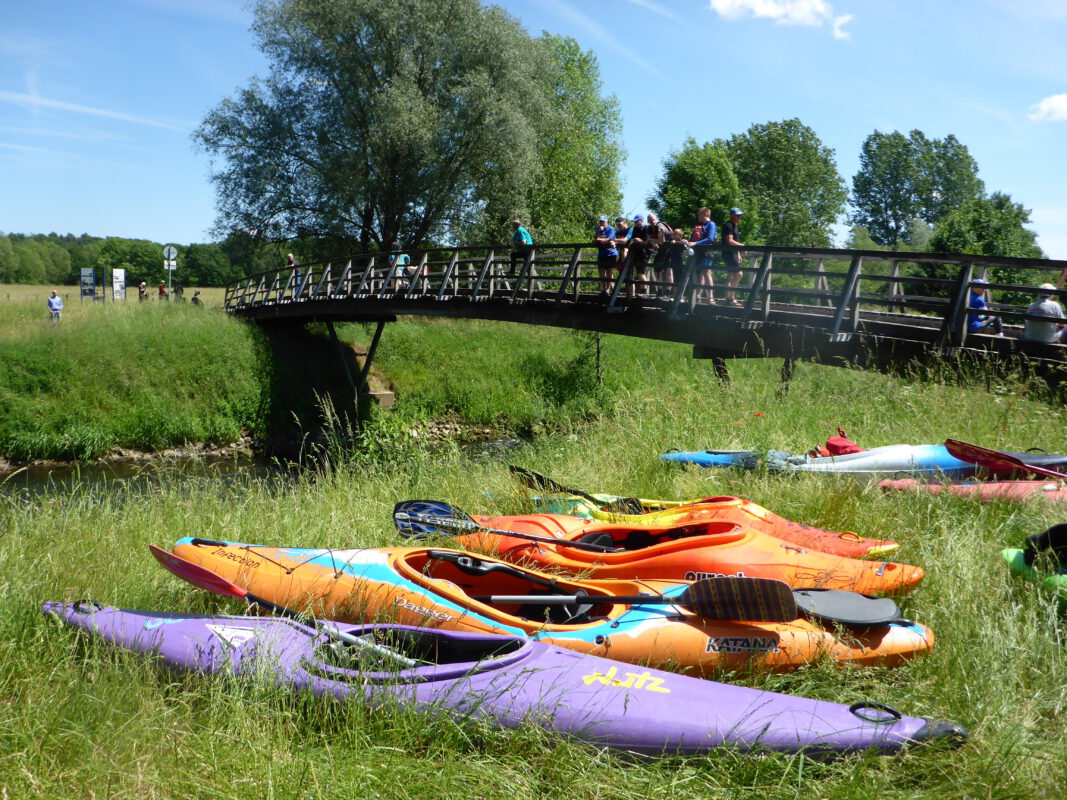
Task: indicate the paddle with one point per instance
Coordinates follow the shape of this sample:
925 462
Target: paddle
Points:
216 584
728 598
535 480
994 459
416 519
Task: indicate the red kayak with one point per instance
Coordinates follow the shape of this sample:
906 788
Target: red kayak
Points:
1056 491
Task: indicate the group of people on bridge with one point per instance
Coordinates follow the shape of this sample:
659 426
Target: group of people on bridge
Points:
657 253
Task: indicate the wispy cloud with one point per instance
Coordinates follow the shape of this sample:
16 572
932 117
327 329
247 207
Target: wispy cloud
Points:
221 10
27 46
813 13
656 8
35 102
596 31
1051 109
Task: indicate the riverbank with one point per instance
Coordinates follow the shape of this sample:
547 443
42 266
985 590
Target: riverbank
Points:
85 721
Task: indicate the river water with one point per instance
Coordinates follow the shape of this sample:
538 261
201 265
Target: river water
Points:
143 475
139 475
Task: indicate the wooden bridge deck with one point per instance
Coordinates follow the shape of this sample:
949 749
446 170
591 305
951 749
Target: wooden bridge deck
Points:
831 306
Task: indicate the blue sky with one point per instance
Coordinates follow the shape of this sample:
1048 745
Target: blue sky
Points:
98 99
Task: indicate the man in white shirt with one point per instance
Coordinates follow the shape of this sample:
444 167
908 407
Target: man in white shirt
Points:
1040 330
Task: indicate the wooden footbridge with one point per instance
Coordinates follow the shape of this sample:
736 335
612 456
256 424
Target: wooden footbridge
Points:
846 307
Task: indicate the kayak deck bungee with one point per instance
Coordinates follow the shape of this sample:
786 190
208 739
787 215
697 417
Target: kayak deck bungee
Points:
739 511
690 552
509 682
439 588
986 491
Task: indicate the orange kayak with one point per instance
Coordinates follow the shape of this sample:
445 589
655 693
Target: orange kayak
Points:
689 551
723 509
455 590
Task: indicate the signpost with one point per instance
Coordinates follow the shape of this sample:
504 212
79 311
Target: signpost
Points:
170 254
118 285
88 283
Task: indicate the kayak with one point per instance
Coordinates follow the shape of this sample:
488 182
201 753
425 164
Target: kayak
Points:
987 491
930 460
470 592
1043 559
735 510
508 682
689 551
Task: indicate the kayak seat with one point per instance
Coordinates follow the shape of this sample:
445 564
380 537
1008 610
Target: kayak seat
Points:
600 538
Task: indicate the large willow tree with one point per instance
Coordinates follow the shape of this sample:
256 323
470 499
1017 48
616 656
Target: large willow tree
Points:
379 120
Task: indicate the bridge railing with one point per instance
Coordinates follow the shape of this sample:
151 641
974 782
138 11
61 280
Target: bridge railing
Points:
834 289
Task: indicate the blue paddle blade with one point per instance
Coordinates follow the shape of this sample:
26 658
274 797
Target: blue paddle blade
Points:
423 519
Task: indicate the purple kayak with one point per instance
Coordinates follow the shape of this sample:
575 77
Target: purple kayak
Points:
508 681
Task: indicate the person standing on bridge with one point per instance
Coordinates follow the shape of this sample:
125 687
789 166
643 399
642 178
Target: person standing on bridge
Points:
399 265
1051 331
522 244
731 254
705 234
976 321
607 255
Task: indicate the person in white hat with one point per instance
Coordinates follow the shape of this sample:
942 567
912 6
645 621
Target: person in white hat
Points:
1050 330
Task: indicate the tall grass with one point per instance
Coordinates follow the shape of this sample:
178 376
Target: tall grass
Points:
145 376
81 720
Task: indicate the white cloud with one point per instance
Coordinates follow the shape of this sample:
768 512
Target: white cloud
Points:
1051 109
813 13
34 102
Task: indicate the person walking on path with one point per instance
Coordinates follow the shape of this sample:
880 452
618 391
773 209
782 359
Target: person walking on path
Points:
522 244
142 292
705 234
55 306
1051 331
607 255
731 254
162 291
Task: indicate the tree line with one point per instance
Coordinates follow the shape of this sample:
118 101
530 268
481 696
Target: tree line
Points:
368 130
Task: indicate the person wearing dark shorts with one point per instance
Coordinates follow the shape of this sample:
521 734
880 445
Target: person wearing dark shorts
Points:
731 254
607 256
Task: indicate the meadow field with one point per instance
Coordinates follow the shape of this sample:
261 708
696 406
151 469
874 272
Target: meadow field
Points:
82 720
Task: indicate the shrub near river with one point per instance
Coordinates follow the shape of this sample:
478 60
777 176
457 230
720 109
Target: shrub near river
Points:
81 720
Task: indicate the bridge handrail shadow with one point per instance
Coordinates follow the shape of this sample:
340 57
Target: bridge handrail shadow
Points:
844 293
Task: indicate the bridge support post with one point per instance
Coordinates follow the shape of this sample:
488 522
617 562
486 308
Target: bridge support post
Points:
721 372
360 388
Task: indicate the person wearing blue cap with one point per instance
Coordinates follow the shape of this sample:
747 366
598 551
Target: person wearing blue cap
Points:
638 255
731 254
978 322
607 256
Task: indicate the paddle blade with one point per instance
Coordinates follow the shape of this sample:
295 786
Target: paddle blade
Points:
741 599
847 608
994 459
196 574
421 519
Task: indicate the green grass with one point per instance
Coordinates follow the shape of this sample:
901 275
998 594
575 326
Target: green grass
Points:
80 720
146 376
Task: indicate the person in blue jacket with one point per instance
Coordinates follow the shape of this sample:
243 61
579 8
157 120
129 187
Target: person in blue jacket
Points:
977 322
704 235
521 243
